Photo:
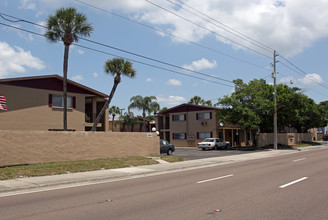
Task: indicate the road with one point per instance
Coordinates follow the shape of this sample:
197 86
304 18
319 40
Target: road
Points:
293 186
195 153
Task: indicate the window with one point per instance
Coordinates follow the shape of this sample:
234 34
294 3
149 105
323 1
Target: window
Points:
204 116
58 101
180 117
179 136
203 135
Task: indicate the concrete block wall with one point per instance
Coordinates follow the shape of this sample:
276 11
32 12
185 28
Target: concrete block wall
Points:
30 147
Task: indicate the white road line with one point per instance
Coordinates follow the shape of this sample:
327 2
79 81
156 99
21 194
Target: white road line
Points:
299 159
296 181
217 178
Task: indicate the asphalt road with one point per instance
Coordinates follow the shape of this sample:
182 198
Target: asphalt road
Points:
293 186
195 153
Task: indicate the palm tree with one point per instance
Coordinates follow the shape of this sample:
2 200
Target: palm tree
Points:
116 67
144 104
113 111
128 119
196 100
67 25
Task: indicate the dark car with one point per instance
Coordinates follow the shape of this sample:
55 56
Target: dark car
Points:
166 147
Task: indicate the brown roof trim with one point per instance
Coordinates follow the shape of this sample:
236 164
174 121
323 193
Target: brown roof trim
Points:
187 108
55 76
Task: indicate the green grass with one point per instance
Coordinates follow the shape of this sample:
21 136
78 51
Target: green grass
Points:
306 144
45 169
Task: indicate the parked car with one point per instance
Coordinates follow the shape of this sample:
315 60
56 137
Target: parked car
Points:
166 147
213 143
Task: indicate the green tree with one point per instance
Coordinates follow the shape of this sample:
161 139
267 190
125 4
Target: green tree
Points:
196 100
67 25
116 67
129 120
145 104
114 110
251 106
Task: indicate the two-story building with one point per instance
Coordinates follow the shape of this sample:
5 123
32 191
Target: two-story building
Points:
185 125
36 103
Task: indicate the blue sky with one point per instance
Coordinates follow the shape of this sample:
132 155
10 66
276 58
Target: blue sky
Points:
218 48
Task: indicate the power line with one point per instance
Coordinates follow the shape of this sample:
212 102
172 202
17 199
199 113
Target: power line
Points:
143 63
239 35
151 65
138 55
172 35
301 72
135 54
234 30
213 32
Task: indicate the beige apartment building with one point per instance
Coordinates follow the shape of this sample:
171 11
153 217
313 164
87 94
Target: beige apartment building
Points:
185 125
36 103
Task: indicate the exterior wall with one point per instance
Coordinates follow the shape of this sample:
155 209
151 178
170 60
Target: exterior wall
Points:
28 110
191 126
28 147
265 139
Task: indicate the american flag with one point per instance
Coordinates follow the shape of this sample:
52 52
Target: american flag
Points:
3 103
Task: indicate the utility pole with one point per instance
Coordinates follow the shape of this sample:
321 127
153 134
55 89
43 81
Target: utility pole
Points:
275 127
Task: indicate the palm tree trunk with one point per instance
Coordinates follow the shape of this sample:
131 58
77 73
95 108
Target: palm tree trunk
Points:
113 123
116 82
65 85
144 121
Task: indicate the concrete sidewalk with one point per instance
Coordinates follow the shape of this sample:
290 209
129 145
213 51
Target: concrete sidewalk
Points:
43 183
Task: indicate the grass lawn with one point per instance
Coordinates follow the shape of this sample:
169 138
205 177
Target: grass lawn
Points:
45 169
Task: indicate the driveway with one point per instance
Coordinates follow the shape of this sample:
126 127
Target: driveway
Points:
195 153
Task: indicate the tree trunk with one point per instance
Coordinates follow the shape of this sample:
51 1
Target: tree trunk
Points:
143 121
65 86
113 123
116 82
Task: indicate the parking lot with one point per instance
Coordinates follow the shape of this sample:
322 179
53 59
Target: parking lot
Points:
195 153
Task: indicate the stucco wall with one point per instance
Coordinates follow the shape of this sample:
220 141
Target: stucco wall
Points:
28 110
265 139
191 126
27 147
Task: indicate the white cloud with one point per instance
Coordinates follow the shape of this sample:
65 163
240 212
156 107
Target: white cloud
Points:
287 26
149 80
95 75
16 60
311 79
287 80
27 5
171 100
80 52
77 78
174 82
201 64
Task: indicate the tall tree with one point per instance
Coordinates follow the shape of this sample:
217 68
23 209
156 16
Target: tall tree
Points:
115 67
197 100
129 120
114 110
67 25
146 104
251 106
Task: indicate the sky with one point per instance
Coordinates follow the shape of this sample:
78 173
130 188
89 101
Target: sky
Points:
179 48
